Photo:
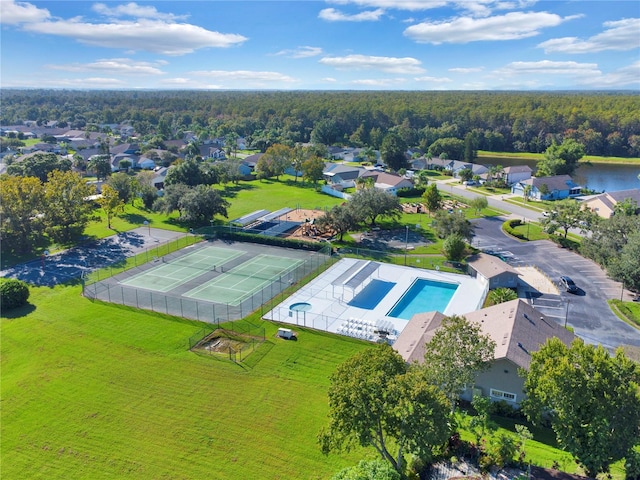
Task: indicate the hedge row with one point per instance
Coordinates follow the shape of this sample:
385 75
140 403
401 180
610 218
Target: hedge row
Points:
273 241
509 227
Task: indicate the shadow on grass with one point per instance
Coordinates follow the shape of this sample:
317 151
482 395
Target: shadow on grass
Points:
134 218
18 312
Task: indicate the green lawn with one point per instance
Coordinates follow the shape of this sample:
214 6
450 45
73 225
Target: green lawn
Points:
274 194
540 156
93 391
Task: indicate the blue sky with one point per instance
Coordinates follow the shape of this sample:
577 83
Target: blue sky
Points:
328 45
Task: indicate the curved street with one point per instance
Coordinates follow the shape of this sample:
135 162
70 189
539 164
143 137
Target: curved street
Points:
587 311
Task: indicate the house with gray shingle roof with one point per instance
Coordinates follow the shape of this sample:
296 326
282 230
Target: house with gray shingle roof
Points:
516 173
516 327
343 175
388 182
492 271
548 188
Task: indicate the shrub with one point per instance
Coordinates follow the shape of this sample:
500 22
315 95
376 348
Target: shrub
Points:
632 465
509 228
410 192
13 293
454 247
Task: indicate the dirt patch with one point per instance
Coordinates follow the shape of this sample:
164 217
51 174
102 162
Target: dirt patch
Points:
222 341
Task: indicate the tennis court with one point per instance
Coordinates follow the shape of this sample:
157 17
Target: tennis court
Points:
241 282
168 276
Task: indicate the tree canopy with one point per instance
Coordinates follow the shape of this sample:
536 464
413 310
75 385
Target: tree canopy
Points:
371 203
376 401
561 159
591 397
457 352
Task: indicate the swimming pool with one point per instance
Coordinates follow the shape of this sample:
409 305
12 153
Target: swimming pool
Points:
423 296
371 295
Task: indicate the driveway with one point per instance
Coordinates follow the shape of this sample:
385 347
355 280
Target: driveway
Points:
587 311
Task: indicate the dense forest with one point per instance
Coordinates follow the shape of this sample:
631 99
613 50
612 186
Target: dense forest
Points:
605 123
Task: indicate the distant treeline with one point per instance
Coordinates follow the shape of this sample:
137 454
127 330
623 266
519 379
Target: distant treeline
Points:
606 123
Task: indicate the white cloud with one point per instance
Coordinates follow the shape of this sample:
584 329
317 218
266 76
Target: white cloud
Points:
134 10
618 35
333 15
301 52
547 67
21 12
120 66
511 26
406 65
245 76
433 79
475 7
91 82
149 35
625 76
466 70
329 80
412 5
381 82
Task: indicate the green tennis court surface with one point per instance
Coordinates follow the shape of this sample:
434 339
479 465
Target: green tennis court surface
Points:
168 276
243 281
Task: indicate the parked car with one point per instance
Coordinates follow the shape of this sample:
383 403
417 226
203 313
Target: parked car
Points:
568 284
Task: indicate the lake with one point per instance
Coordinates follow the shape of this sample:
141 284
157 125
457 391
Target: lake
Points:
601 177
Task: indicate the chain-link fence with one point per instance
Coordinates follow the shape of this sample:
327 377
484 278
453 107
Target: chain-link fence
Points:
110 290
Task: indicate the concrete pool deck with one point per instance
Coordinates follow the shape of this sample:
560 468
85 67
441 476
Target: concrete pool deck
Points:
329 295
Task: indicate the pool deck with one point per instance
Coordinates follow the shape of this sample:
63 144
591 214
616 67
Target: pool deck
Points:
329 297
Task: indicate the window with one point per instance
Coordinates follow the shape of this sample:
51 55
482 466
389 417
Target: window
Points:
510 397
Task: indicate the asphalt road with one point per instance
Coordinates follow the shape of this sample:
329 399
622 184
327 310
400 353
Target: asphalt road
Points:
587 311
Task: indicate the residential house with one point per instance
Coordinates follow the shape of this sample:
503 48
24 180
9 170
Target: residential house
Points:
343 175
161 173
388 182
605 203
492 271
548 188
516 173
248 164
337 153
516 327
476 168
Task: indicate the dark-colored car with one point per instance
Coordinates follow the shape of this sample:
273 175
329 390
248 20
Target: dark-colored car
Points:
568 284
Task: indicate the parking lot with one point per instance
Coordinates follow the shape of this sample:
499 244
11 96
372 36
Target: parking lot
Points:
587 310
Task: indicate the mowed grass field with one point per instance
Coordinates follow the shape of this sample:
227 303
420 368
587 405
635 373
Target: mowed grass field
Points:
92 390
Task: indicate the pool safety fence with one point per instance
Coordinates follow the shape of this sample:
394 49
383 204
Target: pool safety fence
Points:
364 329
110 290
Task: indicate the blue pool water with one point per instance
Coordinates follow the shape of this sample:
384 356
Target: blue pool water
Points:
371 295
423 296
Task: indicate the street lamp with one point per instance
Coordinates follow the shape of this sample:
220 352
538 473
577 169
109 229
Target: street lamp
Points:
148 225
44 255
406 244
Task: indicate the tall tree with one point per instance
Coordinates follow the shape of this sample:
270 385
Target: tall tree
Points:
454 223
340 219
100 165
561 159
67 210
200 204
470 152
39 165
455 355
374 400
432 199
625 267
566 215
591 397
393 151
111 203
279 157
121 183
371 203
312 169
21 203
187 172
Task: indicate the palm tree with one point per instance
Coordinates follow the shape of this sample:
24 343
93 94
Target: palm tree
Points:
501 295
